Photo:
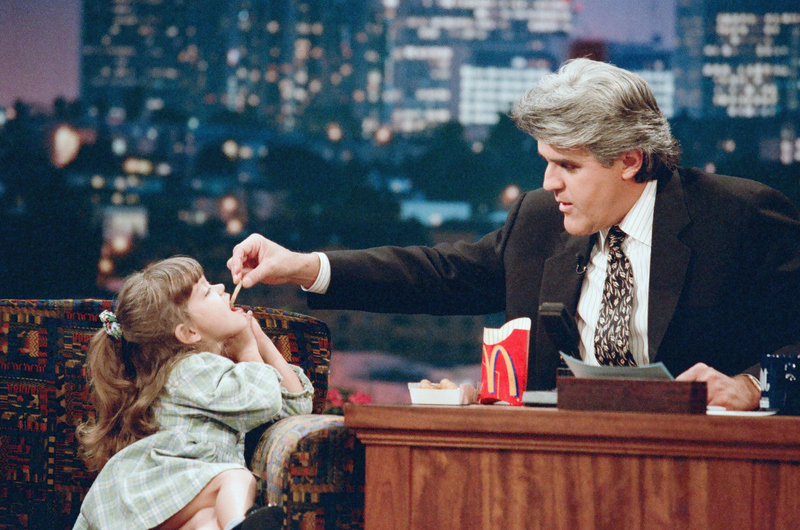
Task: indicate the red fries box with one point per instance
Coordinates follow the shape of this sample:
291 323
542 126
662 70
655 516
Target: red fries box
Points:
504 371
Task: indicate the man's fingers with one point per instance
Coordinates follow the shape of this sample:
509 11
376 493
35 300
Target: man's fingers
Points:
256 260
688 375
698 372
235 264
238 264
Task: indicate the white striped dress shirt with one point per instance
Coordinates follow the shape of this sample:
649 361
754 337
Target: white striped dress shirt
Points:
638 224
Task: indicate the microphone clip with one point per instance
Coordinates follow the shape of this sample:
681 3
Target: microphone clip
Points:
580 265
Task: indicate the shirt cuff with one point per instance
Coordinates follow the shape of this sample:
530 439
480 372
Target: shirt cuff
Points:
320 285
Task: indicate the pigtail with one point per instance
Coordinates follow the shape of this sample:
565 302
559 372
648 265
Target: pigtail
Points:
111 390
127 352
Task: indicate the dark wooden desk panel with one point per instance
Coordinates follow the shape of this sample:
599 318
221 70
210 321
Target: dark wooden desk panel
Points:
511 468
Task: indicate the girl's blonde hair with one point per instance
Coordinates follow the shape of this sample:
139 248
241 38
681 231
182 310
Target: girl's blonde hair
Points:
127 375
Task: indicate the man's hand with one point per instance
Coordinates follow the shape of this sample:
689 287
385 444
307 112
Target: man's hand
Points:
257 259
733 393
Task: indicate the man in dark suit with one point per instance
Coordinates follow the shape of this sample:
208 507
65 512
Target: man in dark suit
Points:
714 260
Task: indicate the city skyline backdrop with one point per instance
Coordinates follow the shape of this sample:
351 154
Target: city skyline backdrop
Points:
325 124
40 41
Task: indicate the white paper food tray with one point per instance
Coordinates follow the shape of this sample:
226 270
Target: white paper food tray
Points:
463 395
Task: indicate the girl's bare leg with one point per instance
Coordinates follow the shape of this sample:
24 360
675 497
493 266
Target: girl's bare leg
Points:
205 519
226 497
236 495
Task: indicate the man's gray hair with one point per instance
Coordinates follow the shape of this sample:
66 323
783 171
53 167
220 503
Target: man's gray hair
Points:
601 108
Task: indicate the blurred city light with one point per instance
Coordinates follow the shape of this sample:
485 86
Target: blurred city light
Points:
137 166
66 144
234 227
105 265
230 148
383 135
121 244
510 194
227 206
334 132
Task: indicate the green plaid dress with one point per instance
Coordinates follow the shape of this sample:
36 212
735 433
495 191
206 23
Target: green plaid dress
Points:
208 404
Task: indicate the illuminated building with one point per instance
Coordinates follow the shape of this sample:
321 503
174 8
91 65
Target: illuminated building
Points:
436 69
306 65
662 83
144 55
299 65
434 213
488 91
739 58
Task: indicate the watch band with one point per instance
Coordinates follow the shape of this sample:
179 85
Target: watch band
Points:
754 381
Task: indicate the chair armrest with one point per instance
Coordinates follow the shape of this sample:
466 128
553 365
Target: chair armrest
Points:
302 340
312 466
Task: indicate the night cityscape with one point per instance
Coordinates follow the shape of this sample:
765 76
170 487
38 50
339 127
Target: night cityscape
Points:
347 124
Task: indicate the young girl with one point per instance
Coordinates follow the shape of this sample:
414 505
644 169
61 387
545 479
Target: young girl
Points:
177 377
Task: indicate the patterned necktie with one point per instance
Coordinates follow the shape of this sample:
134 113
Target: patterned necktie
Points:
612 336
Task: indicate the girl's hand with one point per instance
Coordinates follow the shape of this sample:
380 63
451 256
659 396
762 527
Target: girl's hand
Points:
243 347
266 348
271 355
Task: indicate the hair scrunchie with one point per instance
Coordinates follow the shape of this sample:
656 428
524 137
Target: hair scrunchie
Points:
111 324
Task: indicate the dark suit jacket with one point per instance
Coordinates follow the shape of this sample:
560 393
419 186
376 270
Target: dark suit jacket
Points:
724 278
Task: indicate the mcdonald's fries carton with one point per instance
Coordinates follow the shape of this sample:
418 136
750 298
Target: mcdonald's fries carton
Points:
504 370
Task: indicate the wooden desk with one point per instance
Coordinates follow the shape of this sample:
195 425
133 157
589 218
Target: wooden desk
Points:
509 468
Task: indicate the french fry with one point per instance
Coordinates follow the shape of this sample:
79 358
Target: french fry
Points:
445 384
235 293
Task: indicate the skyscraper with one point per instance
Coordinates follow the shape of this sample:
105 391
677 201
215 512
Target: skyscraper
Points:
443 53
144 55
309 65
737 58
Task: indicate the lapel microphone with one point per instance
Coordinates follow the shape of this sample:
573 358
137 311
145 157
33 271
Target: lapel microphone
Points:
580 264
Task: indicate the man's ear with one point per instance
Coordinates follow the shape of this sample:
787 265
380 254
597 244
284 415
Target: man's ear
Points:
631 163
187 334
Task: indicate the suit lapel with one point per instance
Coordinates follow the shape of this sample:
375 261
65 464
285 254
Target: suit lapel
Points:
668 261
561 281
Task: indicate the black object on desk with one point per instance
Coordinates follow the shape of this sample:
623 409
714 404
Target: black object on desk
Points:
562 331
560 327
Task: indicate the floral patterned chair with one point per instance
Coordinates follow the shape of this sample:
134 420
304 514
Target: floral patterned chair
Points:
313 466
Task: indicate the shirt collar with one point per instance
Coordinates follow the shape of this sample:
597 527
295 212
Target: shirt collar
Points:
638 222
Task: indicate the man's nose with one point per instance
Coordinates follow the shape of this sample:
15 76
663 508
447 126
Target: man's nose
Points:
551 180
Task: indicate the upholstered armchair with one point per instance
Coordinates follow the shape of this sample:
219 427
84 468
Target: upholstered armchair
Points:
312 465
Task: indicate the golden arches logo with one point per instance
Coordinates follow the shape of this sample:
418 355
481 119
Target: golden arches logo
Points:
490 360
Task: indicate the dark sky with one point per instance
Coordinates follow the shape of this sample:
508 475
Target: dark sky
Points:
40 40
39 45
